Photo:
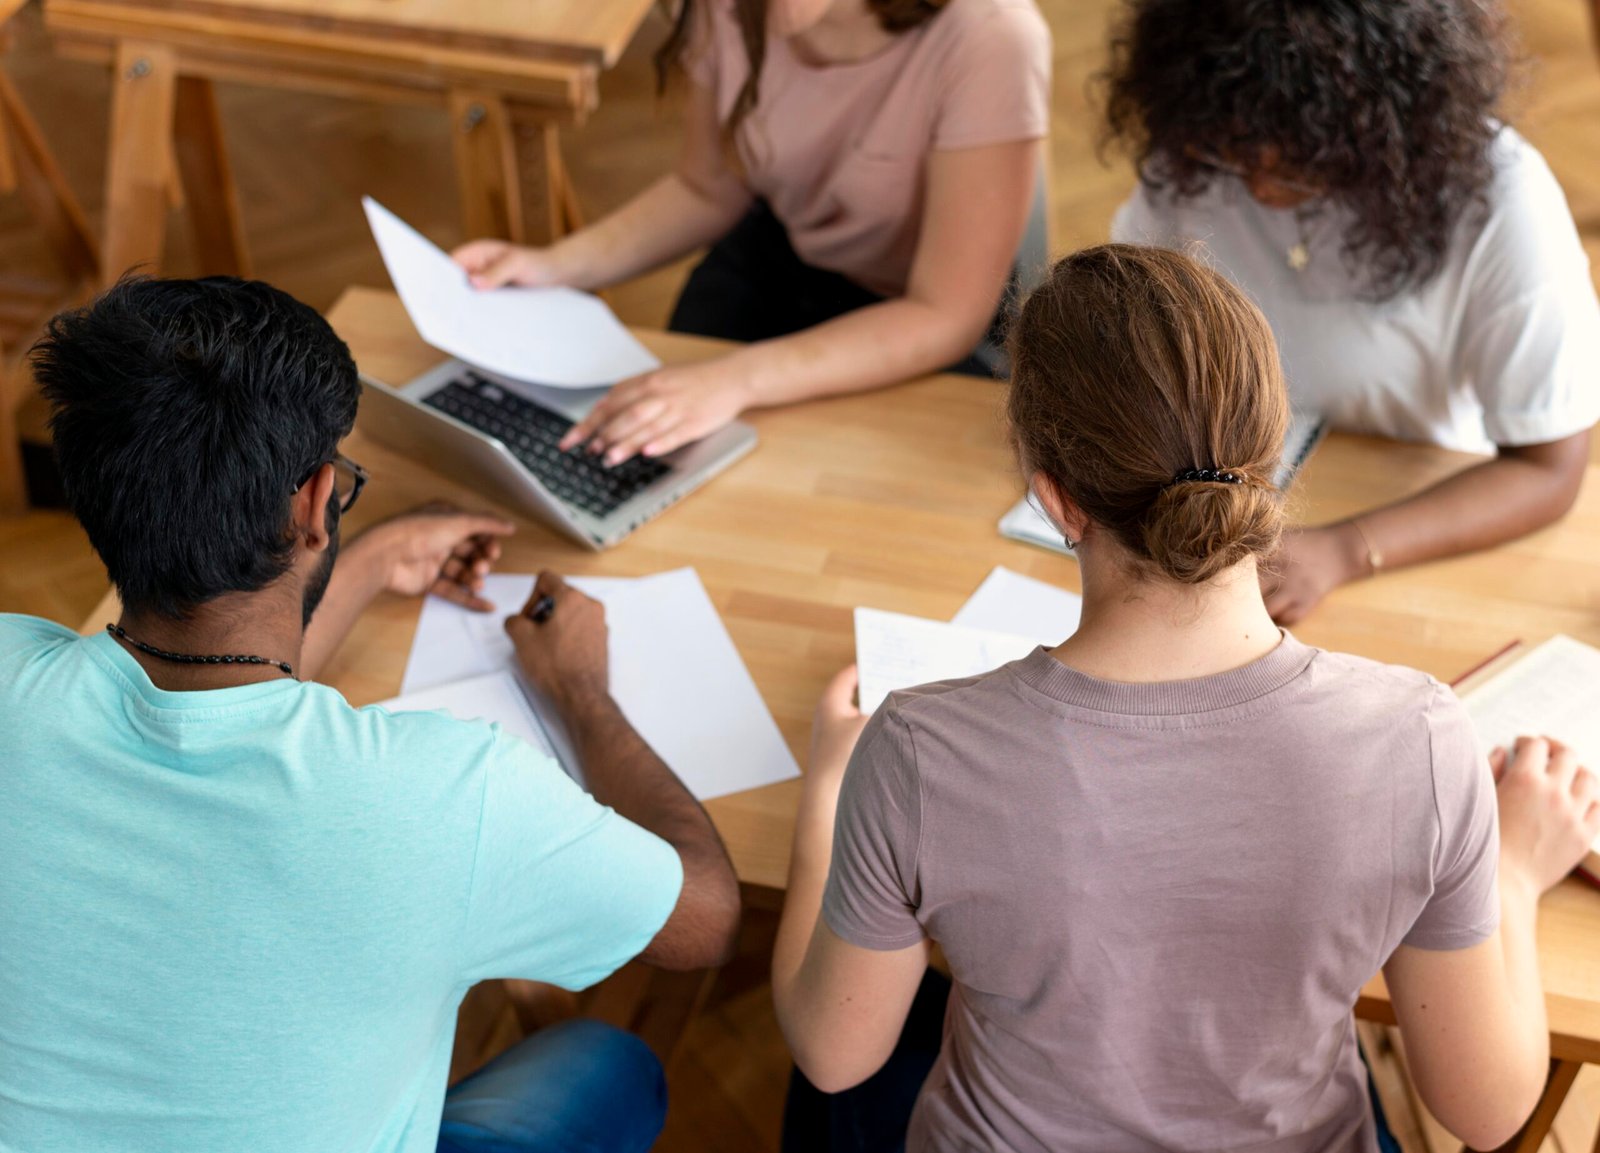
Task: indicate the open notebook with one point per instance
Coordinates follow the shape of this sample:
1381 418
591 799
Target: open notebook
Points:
1550 690
1023 522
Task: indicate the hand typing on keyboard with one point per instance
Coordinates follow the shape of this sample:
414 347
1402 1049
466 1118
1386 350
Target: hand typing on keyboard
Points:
662 410
533 434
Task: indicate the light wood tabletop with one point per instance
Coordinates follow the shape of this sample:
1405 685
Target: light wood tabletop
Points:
587 31
890 500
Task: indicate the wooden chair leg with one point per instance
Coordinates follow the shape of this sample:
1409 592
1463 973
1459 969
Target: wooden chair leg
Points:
44 189
486 164
1562 1075
658 1005
207 178
140 166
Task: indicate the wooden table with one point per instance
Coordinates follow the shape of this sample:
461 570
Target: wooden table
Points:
508 72
890 500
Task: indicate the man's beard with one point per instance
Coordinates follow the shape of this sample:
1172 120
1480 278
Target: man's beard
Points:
317 586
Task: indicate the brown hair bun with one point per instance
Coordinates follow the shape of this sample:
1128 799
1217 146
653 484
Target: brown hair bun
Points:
1134 366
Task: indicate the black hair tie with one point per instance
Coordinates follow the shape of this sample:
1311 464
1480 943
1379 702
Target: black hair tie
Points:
1208 476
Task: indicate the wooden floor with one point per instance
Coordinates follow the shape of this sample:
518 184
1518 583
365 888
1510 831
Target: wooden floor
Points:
303 163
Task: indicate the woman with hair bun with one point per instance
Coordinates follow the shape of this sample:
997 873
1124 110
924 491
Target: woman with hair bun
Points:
862 171
1342 162
1163 857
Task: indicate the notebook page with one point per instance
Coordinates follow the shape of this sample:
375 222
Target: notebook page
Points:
1553 691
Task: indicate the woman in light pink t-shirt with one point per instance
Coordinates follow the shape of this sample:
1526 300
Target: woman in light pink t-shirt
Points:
863 170
1163 857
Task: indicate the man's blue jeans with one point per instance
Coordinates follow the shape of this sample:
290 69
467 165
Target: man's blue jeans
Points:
576 1087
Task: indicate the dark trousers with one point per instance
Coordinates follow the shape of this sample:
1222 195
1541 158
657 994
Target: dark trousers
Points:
752 285
872 1117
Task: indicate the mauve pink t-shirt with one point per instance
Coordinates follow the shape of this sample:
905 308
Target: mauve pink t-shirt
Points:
1159 901
840 151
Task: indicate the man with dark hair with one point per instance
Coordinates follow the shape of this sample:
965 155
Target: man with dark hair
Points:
236 913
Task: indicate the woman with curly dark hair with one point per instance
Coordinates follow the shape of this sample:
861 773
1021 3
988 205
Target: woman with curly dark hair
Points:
1342 162
863 170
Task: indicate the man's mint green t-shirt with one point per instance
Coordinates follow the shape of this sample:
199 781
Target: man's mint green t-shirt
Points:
243 919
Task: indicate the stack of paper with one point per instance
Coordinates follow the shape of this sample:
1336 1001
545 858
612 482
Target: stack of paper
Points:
1005 619
675 674
552 336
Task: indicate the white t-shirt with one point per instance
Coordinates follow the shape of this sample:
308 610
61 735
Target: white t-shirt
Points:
1501 347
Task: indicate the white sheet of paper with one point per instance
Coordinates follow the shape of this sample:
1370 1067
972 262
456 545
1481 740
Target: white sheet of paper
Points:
495 697
551 336
1022 521
1008 602
453 642
675 673
895 651
1553 691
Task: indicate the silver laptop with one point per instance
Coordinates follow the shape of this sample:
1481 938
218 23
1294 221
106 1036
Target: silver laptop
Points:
500 435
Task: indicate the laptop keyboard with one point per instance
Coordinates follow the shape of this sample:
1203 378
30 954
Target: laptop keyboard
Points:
532 432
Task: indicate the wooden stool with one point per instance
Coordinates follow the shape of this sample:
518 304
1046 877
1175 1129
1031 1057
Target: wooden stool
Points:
28 170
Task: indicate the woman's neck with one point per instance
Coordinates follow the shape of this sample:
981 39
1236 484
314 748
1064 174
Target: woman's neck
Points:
848 31
1141 631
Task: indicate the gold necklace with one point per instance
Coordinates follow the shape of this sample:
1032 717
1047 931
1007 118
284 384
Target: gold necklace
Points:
1299 254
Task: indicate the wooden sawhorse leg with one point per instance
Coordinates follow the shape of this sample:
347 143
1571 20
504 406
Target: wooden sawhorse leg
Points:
33 173
28 169
514 184
165 128
139 169
207 177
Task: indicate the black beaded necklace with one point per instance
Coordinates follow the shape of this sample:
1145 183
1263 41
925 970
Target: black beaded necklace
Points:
188 659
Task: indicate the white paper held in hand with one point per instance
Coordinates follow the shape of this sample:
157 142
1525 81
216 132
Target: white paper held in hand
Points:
894 651
675 673
551 336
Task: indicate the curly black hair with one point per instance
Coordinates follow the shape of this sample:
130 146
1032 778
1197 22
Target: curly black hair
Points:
1387 105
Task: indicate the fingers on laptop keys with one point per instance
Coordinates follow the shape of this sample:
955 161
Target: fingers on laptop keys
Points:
595 430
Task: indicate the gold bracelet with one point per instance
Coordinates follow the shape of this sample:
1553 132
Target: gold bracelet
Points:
1374 557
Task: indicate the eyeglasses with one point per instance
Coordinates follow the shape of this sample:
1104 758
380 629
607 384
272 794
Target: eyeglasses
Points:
1216 163
346 488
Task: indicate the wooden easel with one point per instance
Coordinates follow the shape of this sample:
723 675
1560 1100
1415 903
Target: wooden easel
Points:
28 170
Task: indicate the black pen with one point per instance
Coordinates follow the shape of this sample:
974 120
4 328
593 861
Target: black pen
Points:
542 608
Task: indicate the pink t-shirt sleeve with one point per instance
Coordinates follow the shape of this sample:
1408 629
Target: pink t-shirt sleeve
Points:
1464 908
870 897
997 88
